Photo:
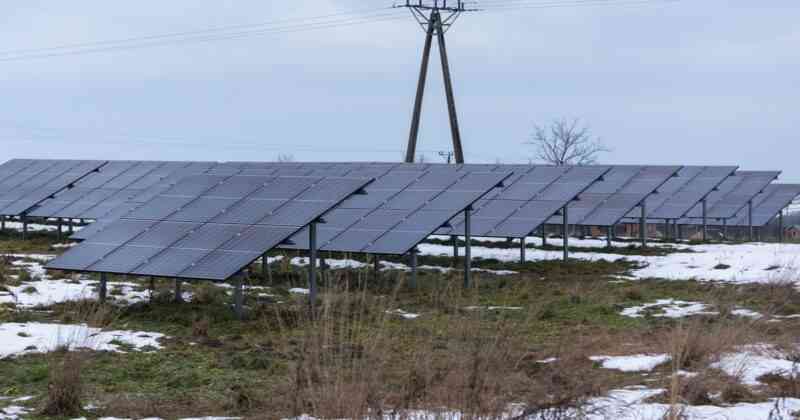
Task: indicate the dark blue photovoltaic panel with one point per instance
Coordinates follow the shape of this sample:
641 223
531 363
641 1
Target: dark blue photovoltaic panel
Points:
624 187
188 232
24 187
766 206
402 208
678 195
115 184
532 195
732 195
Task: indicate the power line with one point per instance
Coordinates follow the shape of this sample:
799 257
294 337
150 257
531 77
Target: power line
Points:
283 26
344 22
194 32
523 5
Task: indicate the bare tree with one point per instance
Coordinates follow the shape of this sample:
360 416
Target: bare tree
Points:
566 142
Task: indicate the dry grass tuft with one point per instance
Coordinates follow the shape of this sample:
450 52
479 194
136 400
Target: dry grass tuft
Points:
65 388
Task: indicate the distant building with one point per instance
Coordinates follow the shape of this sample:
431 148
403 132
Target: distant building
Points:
792 232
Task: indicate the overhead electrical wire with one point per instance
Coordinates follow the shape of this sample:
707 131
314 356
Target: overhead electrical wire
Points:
195 32
350 21
284 26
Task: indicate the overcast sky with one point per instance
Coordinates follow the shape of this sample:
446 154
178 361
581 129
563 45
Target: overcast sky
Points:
689 82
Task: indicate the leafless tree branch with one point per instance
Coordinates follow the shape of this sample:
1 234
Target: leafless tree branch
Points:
566 142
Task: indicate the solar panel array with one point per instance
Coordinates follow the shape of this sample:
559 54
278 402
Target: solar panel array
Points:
401 209
679 194
532 196
208 226
116 183
26 182
625 187
732 195
767 205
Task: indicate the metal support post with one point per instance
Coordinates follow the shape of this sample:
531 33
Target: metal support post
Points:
544 236
323 271
643 223
725 229
376 268
750 220
565 213
238 296
58 224
3 222
680 232
70 228
666 230
413 256
522 250
24 226
467 247
609 236
103 292
705 219
178 291
780 226
454 238
312 264
152 288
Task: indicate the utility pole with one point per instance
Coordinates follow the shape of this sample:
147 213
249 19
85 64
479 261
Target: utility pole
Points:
448 156
435 17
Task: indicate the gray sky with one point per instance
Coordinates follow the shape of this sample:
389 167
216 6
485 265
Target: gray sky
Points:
689 82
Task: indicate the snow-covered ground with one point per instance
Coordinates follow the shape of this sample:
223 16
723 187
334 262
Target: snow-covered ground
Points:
739 263
18 339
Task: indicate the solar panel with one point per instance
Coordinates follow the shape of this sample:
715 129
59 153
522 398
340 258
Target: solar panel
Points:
116 183
767 205
533 195
186 231
679 194
402 208
624 188
29 182
732 195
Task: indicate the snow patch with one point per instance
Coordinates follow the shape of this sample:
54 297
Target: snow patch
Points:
751 363
668 308
17 339
635 363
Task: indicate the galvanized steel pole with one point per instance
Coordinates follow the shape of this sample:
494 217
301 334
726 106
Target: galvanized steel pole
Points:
565 213
413 256
705 220
522 250
103 292
643 223
238 296
312 266
467 247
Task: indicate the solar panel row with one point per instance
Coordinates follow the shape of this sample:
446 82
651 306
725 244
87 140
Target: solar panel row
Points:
732 195
766 205
24 182
208 226
625 187
679 194
108 190
533 195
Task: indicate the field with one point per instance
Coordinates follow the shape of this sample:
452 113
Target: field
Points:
673 331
